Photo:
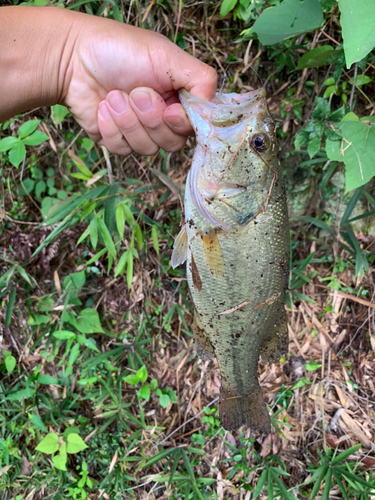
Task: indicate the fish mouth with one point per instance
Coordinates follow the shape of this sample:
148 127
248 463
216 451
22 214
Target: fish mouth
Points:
224 110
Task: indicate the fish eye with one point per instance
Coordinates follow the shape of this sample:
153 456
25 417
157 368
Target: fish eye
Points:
259 142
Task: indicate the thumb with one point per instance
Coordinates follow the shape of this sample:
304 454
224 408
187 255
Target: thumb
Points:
181 70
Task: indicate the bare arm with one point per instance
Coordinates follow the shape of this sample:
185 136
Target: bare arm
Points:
120 82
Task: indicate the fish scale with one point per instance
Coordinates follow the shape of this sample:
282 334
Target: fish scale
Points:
237 254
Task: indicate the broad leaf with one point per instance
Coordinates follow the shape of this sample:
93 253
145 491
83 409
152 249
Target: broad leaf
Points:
10 364
88 322
316 57
227 6
17 154
288 19
64 335
144 392
35 138
59 113
356 149
28 128
75 443
8 143
358 28
47 379
49 444
142 374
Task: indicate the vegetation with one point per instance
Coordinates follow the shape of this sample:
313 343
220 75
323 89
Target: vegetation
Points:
101 394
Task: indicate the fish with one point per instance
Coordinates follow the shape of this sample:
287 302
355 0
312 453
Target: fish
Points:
235 242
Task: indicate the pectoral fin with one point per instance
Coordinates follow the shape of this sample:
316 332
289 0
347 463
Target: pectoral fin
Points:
213 254
203 346
179 248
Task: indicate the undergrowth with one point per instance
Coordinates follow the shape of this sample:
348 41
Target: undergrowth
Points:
101 393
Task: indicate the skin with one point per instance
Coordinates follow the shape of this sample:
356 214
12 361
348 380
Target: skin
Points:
119 82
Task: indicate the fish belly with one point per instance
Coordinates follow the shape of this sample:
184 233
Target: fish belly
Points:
242 312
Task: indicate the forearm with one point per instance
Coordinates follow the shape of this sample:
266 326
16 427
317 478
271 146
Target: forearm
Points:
34 57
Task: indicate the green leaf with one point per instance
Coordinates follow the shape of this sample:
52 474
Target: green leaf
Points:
345 454
164 400
40 188
47 379
10 307
35 138
83 169
129 271
362 80
10 364
120 221
81 339
59 461
49 444
23 393
260 484
88 321
75 444
17 154
8 143
358 28
59 113
356 149
316 57
318 223
38 423
106 237
64 335
227 6
132 379
301 383
314 145
288 19
144 392
142 374
28 128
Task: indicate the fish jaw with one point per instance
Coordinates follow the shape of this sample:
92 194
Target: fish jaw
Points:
223 129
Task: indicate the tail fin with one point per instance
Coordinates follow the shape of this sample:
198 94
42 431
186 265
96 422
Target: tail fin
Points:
236 410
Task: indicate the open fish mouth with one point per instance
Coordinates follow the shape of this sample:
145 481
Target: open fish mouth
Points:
228 119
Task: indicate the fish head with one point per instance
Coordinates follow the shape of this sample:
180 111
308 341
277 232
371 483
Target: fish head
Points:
235 156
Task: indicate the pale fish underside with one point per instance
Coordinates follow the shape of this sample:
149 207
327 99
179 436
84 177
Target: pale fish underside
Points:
236 245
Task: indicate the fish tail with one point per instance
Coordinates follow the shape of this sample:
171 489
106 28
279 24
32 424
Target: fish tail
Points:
236 410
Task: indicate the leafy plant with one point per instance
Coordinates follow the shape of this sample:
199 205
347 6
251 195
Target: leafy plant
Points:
52 443
27 136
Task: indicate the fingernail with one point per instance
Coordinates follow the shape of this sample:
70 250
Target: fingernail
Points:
104 111
142 100
117 102
175 121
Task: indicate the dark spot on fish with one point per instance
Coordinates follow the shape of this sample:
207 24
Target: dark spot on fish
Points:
197 282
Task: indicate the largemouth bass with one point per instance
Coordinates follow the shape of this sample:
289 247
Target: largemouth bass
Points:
236 244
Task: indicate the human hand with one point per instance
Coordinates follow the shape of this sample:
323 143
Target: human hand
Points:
121 86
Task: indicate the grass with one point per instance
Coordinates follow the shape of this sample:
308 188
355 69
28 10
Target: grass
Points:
96 337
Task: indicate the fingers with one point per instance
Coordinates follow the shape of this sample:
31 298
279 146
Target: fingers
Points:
136 123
